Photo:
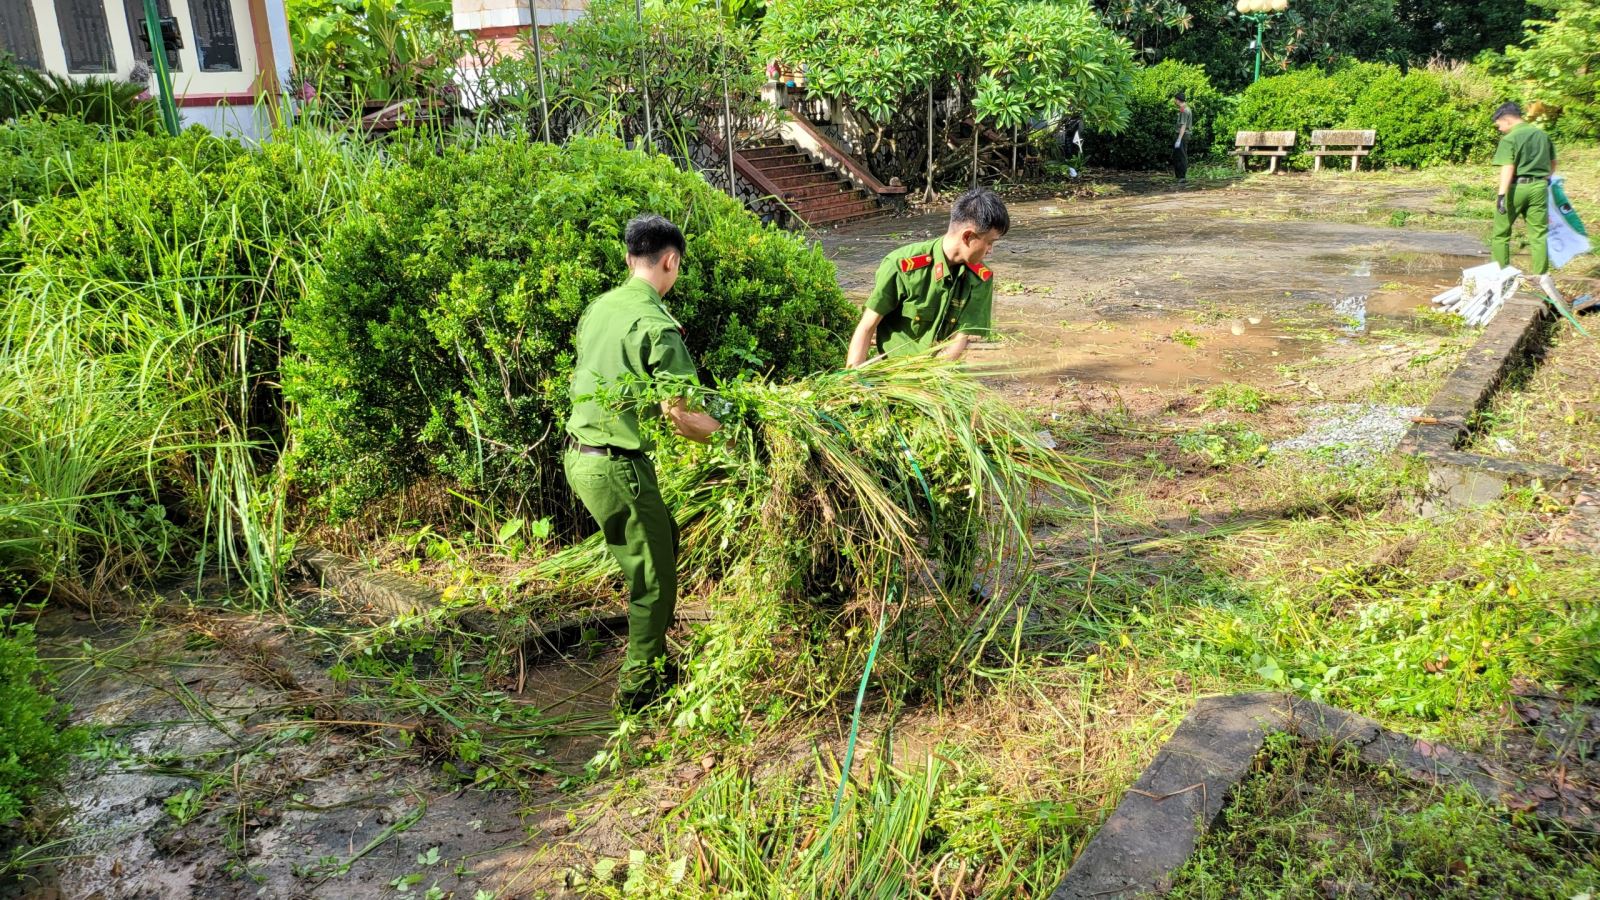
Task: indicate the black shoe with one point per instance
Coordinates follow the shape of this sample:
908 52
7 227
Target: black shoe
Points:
637 701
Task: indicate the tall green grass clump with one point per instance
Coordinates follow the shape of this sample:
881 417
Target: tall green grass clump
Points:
436 339
141 336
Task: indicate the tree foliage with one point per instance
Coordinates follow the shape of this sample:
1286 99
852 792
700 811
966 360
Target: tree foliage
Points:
1320 32
596 80
1561 63
995 64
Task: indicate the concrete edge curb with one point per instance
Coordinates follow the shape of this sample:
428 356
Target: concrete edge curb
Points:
1160 820
1456 478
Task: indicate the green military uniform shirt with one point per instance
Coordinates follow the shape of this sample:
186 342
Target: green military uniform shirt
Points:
925 300
625 337
1529 149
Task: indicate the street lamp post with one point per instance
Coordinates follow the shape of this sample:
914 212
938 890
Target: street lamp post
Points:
1257 11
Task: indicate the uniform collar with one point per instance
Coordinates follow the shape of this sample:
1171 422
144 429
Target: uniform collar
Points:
640 284
942 266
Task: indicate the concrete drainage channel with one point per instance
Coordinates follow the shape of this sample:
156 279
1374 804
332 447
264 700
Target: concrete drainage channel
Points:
1458 479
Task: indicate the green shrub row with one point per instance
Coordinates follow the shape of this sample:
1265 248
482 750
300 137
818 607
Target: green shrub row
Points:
1146 143
437 337
1422 117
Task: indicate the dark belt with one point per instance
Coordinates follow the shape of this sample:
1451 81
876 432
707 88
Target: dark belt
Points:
587 450
1530 179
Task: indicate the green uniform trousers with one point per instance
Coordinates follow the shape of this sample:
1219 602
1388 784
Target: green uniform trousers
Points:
1528 202
622 495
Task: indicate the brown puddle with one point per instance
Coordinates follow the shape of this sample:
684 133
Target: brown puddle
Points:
1166 351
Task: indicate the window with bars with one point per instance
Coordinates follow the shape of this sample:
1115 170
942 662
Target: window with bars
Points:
215 39
212 33
85 35
136 30
19 32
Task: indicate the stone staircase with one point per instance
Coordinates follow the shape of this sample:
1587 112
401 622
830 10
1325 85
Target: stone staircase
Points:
819 196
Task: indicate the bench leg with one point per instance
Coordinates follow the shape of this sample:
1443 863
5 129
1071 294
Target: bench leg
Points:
1272 165
1316 163
1354 160
1241 163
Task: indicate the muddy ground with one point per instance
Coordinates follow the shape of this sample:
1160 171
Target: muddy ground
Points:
209 778
1167 289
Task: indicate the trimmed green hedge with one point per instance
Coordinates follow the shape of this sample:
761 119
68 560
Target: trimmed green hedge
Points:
1423 117
437 338
34 747
1146 143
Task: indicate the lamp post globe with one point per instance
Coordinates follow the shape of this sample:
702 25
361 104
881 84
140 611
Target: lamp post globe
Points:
1258 11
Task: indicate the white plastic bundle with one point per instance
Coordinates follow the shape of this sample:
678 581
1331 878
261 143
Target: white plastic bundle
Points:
1482 292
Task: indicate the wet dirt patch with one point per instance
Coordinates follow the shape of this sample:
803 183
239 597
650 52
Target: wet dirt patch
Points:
210 778
1094 290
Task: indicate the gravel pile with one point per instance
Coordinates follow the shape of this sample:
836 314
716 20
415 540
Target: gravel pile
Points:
1352 432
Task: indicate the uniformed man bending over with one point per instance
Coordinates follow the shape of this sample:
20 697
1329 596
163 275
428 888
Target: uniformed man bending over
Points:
928 292
626 337
1526 159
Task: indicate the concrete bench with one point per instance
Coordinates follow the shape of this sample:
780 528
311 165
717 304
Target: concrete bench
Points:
1274 145
1354 144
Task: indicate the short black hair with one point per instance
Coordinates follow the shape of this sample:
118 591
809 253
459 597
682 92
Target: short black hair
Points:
1511 108
648 236
1180 97
983 208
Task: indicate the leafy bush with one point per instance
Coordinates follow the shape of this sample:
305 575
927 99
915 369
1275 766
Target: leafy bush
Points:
1561 63
1005 63
351 51
97 101
1153 118
1422 117
591 72
34 748
437 337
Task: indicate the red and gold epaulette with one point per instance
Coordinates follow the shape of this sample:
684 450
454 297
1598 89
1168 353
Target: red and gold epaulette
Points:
913 263
983 272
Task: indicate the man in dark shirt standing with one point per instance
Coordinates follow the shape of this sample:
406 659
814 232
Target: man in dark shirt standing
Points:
1180 147
1526 159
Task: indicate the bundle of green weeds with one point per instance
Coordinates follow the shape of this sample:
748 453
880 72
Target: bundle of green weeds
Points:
893 498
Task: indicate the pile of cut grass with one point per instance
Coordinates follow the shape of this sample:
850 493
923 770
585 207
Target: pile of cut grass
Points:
888 506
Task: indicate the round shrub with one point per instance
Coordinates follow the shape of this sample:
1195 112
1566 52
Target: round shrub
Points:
1153 118
1417 120
1300 101
437 338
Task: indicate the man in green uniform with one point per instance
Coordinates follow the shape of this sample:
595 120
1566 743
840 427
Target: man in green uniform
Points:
1526 159
935 291
626 338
